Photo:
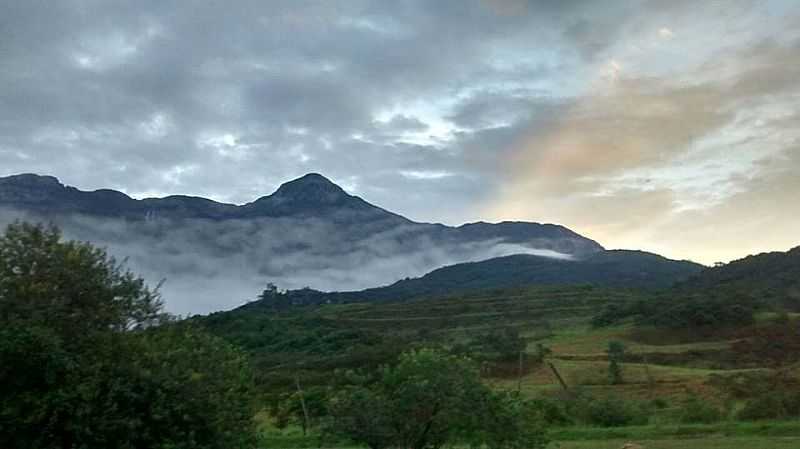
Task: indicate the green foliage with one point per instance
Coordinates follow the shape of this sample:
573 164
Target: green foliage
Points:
699 411
605 412
70 287
774 277
508 421
702 310
771 405
196 389
615 412
683 311
296 406
552 411
429 399
84 367
499 344
616 353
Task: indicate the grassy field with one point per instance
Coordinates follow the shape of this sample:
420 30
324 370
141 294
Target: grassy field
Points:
689 443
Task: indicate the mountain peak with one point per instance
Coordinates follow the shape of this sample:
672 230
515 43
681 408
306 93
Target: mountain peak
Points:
313 188
31 180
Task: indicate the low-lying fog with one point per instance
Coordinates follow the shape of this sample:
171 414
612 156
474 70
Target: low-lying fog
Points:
216 265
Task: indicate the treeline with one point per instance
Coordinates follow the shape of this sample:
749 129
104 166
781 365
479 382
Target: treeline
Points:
683 311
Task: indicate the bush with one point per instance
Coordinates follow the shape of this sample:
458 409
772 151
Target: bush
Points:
612 412
551 412
605 412
696 411
430 399
773 405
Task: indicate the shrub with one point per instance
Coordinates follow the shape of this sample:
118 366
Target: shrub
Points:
772 405
605 412
613 412
696 411
430 399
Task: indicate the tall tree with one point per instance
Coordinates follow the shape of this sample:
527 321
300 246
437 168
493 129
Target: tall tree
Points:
89 359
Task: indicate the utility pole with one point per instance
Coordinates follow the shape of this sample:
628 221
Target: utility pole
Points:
558 376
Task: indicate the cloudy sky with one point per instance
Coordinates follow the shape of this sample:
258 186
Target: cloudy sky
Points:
671 126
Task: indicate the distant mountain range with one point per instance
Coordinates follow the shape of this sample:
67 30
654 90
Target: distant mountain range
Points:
311 233
312 196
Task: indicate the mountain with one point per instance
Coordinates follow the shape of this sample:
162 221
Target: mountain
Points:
313 194
618 268
310 232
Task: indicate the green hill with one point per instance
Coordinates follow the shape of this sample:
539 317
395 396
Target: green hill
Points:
626 269
774 277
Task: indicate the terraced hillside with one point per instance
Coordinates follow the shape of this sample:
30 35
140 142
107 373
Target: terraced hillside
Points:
524 339
316 341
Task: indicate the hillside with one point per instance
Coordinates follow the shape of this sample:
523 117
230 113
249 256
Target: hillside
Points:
314 342
772 276
698 383
318 340
629 269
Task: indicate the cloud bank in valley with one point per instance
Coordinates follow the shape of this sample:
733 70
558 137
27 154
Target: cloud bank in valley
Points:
213 265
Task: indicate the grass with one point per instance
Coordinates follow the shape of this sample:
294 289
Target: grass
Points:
691 443
725 435
712 442
766 429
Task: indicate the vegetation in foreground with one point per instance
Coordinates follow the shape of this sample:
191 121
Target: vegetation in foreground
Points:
88 360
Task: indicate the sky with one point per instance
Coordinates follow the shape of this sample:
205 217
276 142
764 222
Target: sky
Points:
668 126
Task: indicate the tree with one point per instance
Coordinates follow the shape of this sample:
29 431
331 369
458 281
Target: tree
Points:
506 420
616 353
429 399
73 288
89 359
505 343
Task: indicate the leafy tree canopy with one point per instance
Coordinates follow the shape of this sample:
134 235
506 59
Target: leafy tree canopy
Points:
89 359
429 399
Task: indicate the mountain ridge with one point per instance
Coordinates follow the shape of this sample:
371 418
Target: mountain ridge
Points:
312 195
